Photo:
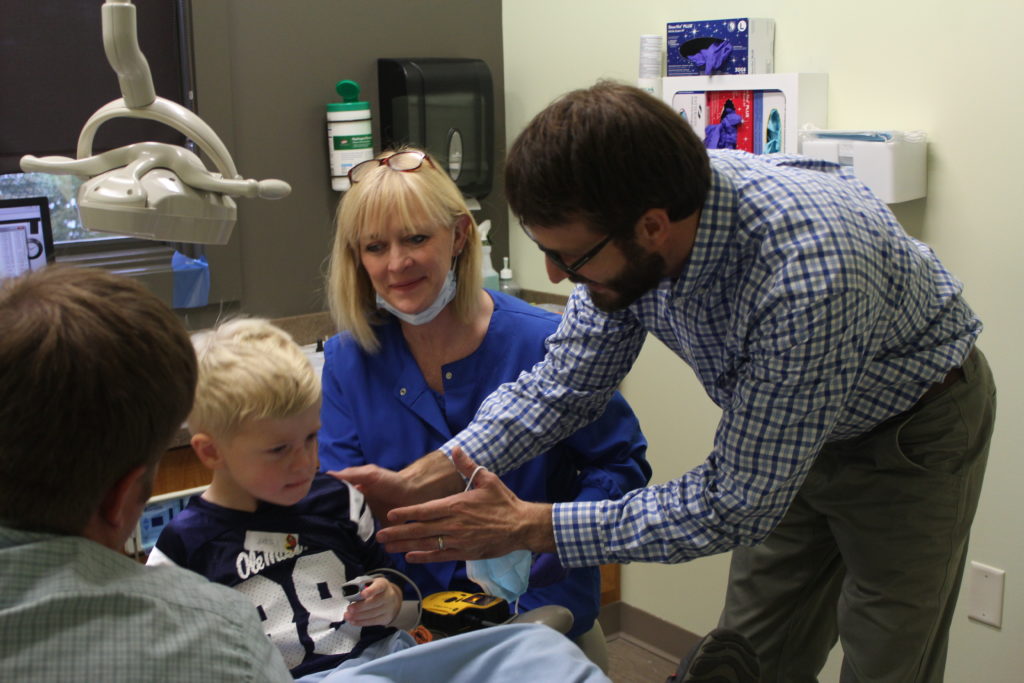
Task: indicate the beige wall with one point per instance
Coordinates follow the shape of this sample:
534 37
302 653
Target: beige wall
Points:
948 69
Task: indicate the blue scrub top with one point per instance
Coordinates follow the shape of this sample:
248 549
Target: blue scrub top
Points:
377 408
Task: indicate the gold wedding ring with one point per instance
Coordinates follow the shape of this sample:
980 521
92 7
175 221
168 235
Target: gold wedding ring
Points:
440 542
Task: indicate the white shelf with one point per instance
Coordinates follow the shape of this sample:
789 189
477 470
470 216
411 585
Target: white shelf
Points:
806 96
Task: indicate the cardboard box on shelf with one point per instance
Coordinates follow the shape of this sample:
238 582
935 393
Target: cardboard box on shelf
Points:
752 43
692 106
742 101
769 121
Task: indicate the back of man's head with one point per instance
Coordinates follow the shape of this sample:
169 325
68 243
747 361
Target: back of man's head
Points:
96 373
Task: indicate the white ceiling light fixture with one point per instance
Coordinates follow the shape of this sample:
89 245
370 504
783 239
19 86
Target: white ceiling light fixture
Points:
152 190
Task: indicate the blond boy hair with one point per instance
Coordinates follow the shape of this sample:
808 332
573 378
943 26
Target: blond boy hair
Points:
249 369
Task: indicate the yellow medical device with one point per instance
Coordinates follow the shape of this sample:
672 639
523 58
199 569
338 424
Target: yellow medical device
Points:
451 612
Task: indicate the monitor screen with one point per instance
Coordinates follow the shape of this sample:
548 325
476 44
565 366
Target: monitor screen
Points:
26 239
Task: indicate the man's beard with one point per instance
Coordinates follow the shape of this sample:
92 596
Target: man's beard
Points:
642 273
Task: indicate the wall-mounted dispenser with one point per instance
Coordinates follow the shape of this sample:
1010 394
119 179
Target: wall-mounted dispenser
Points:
445 106
892 163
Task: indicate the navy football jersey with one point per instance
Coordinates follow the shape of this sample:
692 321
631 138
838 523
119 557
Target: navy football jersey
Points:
291 562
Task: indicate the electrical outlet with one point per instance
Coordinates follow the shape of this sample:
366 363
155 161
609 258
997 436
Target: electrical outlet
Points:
985 594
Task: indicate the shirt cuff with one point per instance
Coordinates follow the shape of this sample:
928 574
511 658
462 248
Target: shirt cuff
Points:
577 528
446 451
470 446
446 448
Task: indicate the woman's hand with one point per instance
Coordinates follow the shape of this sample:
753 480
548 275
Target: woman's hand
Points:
379 606
487 521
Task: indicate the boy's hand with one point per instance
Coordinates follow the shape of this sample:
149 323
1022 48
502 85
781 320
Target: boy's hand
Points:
379 606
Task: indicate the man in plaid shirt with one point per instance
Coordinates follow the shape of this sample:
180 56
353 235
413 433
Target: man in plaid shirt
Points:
856 410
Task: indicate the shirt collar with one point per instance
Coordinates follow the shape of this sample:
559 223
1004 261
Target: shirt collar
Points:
714 234
710 246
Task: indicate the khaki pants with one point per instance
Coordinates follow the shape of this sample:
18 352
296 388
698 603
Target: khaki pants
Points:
872 550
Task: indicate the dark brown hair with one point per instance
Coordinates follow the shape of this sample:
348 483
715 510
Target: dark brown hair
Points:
605 155
96 373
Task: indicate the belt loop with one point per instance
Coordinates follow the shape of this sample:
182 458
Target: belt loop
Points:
970 364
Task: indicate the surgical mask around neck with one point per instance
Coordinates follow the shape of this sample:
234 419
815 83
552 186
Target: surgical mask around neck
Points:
444 297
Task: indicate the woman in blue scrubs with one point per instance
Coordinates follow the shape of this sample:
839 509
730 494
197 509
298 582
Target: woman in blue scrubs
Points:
422 344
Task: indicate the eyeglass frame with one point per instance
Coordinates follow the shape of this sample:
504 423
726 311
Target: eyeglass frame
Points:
556 259
386 161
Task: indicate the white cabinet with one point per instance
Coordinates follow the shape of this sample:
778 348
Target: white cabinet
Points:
805 97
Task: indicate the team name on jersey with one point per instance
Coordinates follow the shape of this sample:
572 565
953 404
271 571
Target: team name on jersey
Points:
263 549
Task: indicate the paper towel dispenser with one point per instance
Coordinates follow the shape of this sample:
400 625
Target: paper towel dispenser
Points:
892 163
445 106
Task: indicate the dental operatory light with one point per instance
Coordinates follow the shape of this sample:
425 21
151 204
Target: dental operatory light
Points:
152 190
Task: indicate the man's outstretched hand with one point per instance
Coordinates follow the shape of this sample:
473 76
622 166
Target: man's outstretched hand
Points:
487 521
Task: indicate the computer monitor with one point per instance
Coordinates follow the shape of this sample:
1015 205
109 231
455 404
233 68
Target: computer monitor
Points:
26 237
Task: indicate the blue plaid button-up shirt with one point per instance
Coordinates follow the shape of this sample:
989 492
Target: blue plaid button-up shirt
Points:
808 315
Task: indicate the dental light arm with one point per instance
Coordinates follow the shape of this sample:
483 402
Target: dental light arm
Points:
121 43
149 189
143 156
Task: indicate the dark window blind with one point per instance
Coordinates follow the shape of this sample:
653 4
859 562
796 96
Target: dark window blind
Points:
54 75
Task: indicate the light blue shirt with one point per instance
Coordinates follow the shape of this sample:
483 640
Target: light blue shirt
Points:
73 610
807 314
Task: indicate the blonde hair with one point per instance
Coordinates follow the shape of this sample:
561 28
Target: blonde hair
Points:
412 197
249 369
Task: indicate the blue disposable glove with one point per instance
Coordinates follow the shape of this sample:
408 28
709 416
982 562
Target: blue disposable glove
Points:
773 141
712 57
723 135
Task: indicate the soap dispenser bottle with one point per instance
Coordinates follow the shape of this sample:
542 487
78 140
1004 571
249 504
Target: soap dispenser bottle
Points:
491 280
505 281
487 266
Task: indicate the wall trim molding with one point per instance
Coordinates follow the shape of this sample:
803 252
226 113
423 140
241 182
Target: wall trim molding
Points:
663 638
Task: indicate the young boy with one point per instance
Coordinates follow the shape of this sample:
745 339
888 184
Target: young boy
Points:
75 473
96 375
270 525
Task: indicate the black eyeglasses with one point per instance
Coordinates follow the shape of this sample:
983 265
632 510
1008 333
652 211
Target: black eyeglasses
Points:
400 161
573 268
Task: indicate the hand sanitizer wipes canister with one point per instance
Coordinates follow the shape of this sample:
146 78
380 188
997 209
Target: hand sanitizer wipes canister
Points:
349 136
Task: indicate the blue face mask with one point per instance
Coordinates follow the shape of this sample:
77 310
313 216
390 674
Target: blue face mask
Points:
444 297
505 577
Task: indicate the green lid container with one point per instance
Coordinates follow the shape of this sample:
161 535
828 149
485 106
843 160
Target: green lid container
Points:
349 91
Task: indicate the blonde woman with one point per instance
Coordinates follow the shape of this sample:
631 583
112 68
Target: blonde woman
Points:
422 344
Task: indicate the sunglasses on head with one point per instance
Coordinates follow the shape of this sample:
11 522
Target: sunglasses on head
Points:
400 161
